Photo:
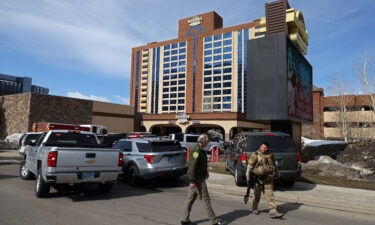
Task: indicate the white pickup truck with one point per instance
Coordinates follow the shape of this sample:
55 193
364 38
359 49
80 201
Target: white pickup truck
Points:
70 157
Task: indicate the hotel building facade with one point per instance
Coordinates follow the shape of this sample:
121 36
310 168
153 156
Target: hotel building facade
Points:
198 81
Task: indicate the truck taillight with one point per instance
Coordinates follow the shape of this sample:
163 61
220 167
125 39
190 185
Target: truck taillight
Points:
243 158
299 158
120 159
149 158
52 159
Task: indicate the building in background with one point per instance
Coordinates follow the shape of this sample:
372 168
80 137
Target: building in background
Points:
14 85
359 116
19 111
198 81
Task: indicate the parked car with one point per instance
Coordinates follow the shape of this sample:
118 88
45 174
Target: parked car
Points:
70 157
108 140
29 137
152 158
191 140
287 157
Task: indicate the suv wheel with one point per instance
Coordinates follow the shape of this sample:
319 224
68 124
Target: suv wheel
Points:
288 183
133 178
42 188
238 178
25 173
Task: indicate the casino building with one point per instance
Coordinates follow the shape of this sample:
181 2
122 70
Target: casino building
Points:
198 81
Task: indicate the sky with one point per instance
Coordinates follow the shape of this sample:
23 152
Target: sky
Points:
82 48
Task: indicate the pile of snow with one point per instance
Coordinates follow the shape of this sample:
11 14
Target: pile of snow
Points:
310 142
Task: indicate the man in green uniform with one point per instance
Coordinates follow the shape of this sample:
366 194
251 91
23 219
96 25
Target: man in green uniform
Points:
197 175
262 164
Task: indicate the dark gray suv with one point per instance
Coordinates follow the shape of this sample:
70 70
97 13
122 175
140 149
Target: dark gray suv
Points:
287 157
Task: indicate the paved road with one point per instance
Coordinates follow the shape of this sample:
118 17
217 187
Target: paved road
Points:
149 204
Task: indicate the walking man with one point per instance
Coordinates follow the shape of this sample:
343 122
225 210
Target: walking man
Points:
262 164
197 175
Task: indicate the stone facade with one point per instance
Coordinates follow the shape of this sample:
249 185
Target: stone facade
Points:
48 108
14 114
18 112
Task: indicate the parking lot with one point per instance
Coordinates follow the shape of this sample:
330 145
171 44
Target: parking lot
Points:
152 203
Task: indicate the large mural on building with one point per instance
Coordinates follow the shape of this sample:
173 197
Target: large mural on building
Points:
300 101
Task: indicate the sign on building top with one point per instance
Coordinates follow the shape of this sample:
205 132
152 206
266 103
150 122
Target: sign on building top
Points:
195 21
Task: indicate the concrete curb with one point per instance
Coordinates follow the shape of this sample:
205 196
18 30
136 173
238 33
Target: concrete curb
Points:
303 200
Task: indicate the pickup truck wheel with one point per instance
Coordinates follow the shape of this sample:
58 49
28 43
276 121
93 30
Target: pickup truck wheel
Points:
42 188
106 187
238 178
133 178
25 173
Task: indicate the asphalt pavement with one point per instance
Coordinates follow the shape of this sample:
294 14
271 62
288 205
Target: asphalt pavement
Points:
152 203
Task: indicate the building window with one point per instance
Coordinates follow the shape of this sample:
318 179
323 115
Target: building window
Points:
208 39
182 63
227 63
217 85
217 44
181 95
228 35
227 77
217 71
227 84
207 86
217 37
217 78
183 44
208 65
227 42
174 52
227 49
181 101
181 89
207 93
217 57
181 75
217 50
209 45
174 64
207 72
216 92
174 45
227 91
167 53
227 106
207 79
166 65
227 56
181 107
173 58
217 64
167 47
208 52
167 59
227 70
182 57
208 59
227 99
182 50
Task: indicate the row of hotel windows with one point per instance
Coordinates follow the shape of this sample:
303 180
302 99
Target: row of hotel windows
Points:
174 108
174 64
218 37
175 45
218 50
218 64
174 58
207 107
167 83
175 52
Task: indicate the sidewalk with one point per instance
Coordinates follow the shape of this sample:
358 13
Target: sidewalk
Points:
323 196
10 156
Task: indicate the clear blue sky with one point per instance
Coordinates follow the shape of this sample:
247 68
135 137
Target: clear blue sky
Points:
83 48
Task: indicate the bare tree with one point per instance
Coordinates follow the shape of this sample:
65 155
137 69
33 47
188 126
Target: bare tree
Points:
341 91
366 77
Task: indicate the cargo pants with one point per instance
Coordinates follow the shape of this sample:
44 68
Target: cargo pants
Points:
201 192
268 194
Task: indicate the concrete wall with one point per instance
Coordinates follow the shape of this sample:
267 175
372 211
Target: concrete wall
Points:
117 118
14 114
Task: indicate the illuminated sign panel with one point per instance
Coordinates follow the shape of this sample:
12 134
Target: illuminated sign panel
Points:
279 81
195 21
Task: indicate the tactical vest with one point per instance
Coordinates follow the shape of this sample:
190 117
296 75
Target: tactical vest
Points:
264 165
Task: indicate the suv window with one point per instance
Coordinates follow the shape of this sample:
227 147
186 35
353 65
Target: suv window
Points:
191 138
278 144
125 146
165 146
41 138
179 137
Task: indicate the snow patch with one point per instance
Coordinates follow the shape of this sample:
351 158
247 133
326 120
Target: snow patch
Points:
310 142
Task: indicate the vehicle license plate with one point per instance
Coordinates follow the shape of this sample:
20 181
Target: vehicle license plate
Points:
88 175
171 159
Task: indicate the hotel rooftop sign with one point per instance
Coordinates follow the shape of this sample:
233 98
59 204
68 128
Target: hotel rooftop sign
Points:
195 21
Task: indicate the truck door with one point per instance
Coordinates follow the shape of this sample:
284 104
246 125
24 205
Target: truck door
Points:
31 161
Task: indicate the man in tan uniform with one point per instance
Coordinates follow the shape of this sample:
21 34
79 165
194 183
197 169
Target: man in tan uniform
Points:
262 164
197 175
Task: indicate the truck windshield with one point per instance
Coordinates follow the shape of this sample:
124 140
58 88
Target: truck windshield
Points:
165 146
71 139
278 144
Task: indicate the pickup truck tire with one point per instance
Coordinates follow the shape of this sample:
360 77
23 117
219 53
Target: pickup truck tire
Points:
238 178
106 187
42 188
133 178
25 173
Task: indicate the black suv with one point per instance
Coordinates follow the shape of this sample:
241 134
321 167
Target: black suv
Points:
287 157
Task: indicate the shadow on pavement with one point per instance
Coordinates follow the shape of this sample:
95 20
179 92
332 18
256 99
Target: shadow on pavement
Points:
2 176
298 186
229 217
288 207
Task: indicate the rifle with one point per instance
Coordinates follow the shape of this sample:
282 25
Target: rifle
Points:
250 185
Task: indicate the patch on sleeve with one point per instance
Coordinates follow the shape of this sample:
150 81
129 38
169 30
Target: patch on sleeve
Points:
195 155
